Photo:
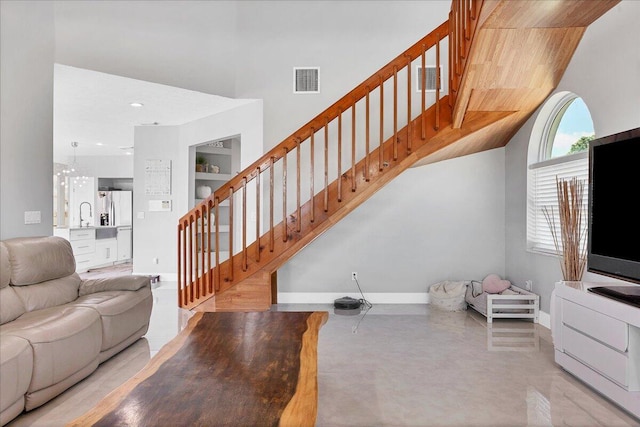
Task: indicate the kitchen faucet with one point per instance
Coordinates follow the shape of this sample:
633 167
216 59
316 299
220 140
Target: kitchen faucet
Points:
90 214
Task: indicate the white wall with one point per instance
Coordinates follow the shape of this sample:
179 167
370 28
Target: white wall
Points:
348 40
439 222
155 236
187 44
26 117
605 72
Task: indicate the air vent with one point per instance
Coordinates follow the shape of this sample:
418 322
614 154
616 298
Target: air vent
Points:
430 78
306 80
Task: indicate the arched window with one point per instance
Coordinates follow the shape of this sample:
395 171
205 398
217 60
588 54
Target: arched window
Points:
558 147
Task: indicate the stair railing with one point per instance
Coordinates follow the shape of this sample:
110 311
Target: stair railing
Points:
463 19
204 269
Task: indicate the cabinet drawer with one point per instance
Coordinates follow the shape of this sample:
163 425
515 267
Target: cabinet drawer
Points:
610 331
83 246
78 234
84 262
597 356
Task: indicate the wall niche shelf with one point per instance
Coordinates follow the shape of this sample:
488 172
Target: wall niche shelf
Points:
222 159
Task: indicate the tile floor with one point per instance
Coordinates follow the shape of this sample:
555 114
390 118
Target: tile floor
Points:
400 365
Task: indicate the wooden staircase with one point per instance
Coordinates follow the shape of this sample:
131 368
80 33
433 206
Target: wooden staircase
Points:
505 57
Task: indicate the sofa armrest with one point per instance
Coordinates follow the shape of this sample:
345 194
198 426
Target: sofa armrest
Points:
121 283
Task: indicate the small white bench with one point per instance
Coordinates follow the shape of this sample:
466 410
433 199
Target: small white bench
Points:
513 303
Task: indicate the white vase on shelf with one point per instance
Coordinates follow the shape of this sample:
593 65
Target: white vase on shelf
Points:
203 191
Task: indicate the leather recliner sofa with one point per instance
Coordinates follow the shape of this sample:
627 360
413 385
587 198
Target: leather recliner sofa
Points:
55 328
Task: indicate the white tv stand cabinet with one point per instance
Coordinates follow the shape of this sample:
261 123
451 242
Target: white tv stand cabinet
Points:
597 339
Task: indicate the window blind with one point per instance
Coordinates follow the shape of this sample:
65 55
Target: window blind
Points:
542 192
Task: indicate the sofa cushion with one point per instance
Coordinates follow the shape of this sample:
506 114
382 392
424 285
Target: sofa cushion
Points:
50 293
16 366
38 259
64 340
5 267
119 283
11 306
123 313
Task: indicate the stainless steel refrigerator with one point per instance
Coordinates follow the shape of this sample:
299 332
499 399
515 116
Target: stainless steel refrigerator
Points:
115 208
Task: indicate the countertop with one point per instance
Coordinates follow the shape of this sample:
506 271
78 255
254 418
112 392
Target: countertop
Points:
92 227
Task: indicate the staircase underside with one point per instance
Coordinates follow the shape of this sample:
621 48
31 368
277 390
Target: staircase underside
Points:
518 56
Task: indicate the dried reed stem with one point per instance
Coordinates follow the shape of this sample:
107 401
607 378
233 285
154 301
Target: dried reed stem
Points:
570 242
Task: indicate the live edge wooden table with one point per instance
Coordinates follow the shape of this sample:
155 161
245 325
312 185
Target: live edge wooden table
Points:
224 369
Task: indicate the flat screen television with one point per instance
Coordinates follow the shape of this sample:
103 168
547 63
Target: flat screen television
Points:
613 245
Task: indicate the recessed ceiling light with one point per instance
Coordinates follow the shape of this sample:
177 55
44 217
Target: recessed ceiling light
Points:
99 143
136 104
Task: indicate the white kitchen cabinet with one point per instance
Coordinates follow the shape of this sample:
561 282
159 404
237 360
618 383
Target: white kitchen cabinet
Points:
106 252
97 246
83 244
124 243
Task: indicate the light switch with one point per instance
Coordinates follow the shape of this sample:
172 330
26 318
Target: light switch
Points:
32 217
140 215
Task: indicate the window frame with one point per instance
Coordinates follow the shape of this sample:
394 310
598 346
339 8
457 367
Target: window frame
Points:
540 162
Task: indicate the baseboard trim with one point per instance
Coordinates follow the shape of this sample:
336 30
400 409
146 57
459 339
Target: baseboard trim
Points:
372 297
544 319
164 277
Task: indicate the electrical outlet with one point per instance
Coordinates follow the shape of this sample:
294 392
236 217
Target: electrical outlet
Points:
155 260
528 285
354 275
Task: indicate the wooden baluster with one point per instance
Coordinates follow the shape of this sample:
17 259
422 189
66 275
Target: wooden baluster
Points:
409 136
452 87
381 149
231 233
284 196
437 82
217 249
258 215
298 212
463 39
474 3
211 243
191 245
423 83
353 146
312 176
209 276
467 23
339 155
187 260
460 37
456 32
367 160
326 166
185 271
271 232
395 113
180 282
200 275
204 248
245 260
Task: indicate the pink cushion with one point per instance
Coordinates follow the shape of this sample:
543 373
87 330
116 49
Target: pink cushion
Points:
492 284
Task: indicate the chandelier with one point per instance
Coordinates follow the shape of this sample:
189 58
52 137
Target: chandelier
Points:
73 171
